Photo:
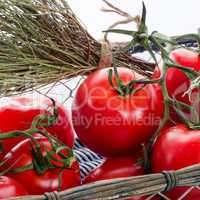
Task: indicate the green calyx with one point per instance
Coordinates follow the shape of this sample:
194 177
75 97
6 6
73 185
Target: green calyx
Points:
124 90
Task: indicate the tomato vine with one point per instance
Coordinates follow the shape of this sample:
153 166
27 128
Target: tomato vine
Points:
165 45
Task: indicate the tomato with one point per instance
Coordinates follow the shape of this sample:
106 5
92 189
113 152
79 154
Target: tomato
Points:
118 167
137 198
178 82
111 124
18 113
177 147
21 156
10 188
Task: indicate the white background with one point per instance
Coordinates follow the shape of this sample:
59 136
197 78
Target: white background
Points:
171 17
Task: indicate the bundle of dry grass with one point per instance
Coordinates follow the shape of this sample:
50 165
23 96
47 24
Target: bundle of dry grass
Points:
42 41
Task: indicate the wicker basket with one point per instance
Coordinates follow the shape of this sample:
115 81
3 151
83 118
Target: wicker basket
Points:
122 188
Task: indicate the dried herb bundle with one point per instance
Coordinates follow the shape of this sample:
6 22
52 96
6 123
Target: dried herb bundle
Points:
42 41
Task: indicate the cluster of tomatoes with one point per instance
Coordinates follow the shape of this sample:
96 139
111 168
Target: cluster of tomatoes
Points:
19 154
115 114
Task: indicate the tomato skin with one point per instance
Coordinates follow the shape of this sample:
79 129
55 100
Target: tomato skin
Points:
113 125
137 198
177 81
10 188
177 147
18 113
39 183
117 167
48 182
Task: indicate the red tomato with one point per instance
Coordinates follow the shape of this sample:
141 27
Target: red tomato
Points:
177 147
18 114
137 198
177 81
118 167
21 155
10 188
110 124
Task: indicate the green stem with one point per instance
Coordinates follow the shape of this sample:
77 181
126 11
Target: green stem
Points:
167 58
166 109
182 68
46 120
26 133
178 103
143 81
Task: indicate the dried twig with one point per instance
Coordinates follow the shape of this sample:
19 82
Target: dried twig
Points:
127 16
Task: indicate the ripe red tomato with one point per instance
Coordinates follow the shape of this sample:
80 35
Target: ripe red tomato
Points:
21 155
177 81
118 167
18 113
177 147
111 124
10 188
